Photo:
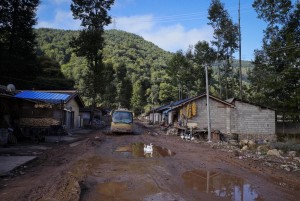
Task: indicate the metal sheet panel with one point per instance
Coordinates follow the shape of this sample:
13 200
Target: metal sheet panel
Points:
43 96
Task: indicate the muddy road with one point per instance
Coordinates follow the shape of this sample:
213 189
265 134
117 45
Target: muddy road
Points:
107 167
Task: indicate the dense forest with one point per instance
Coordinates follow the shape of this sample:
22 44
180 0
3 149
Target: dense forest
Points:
135 61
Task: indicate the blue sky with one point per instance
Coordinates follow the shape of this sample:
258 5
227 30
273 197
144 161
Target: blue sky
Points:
170 24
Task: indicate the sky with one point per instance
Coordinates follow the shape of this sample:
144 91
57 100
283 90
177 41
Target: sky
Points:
170 24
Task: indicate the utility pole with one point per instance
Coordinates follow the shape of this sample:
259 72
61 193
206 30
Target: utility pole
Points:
207 106
240 51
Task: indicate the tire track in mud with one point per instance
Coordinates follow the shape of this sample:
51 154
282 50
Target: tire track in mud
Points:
56 175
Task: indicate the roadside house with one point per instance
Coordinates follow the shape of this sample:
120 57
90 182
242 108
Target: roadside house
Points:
194 112
62 107
251 120
164 113
233 116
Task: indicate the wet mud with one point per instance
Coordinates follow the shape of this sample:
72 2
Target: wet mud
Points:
175 170
221 185
106 167
140 149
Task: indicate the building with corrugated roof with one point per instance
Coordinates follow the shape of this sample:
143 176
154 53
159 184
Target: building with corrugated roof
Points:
63 107
233 116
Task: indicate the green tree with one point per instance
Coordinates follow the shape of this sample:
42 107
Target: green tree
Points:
123 86
90 42
180 70
137 97
167 93
109 92
226 42
203 55
17 40
277 64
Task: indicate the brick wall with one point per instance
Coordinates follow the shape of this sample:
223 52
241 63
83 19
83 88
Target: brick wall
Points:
219 115
247 120
250 119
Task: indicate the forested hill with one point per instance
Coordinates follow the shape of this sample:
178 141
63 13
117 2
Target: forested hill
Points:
138 55
135 61
120 47
139 67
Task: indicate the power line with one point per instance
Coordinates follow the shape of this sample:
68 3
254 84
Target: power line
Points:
295 46
183 17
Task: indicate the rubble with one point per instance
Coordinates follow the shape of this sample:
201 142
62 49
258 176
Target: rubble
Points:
292 153
273 152
172 131
260 150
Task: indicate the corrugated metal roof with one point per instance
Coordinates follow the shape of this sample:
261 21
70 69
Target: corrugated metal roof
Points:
43 96
166 107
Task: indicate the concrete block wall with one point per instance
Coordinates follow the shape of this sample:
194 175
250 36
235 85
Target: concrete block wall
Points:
250 119
219 115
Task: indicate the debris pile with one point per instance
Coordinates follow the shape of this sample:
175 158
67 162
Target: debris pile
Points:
38 122
262 152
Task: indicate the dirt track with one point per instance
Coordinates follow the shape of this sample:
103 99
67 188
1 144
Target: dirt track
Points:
115 167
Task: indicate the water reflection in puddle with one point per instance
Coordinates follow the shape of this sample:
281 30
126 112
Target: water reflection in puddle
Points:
221 185
139 150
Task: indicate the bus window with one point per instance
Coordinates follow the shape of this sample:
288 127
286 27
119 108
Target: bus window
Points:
122 122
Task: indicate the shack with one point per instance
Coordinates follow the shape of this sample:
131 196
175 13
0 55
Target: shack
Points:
193 111
53 107
234 116
165 113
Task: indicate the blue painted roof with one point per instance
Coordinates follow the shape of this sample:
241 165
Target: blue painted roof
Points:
43 96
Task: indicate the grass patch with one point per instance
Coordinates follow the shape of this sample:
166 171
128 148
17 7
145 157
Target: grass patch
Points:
287 145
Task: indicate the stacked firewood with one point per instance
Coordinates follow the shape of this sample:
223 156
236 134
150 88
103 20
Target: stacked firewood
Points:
38 122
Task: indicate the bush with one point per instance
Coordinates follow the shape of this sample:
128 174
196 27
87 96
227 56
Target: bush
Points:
288 145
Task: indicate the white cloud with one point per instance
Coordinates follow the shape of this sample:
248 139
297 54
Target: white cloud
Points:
62 20
169 37
135 24
176 37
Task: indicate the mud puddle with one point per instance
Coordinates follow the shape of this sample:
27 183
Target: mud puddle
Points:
144 150
221 185
133 188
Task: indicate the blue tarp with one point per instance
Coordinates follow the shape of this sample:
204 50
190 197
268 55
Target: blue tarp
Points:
54 98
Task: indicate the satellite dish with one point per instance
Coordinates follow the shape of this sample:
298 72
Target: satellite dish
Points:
11 88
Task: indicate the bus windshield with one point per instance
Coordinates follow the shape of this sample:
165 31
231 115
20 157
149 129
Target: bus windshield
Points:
122 117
